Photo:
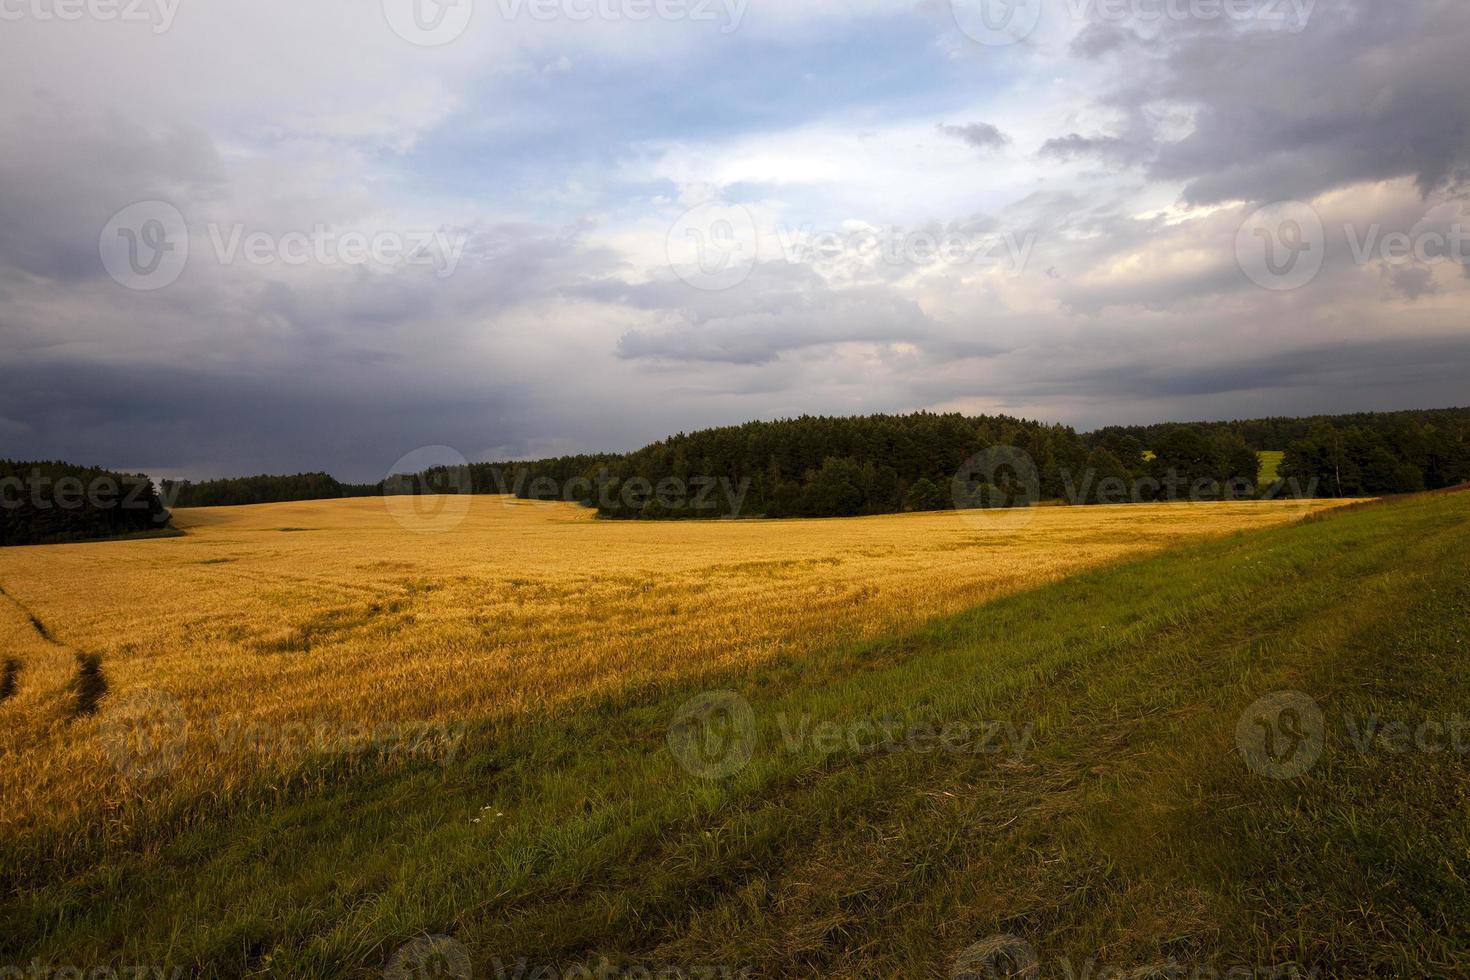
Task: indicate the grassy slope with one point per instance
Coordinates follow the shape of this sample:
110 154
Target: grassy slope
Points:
1270 465
1131 831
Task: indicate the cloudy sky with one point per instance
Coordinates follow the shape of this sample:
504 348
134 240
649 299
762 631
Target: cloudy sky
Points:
275 236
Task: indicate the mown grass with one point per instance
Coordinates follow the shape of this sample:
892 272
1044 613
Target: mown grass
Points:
1129 831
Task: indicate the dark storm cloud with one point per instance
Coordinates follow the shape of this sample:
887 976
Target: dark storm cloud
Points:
65 173
1440 363
178 421
1366 91
1143 383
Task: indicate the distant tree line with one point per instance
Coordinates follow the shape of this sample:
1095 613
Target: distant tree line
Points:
1357 455
48 502
480 478
1358 461
1277 434
818 466
261 490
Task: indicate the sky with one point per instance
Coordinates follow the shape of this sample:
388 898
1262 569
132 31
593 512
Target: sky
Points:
276 236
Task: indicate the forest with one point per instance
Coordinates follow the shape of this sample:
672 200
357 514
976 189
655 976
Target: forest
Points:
49 502
821 466
835 467
1278 433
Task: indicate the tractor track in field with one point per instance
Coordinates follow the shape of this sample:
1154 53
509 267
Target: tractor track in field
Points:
22 672
41 629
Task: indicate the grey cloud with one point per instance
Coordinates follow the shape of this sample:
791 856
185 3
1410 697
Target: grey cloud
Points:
63 176
777 321
1100 38
1434 362
1112 150
1368 91
1413 281
980 135
1089 385
201 423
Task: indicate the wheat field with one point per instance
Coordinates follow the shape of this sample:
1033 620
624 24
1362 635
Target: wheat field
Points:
267 634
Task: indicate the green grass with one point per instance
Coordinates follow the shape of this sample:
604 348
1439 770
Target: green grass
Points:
1129 832
1270 465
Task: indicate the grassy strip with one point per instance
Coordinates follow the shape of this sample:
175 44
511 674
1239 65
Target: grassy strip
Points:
1270 465
1112 822
148 535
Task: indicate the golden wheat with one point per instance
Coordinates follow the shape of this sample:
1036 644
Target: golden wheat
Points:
274 631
